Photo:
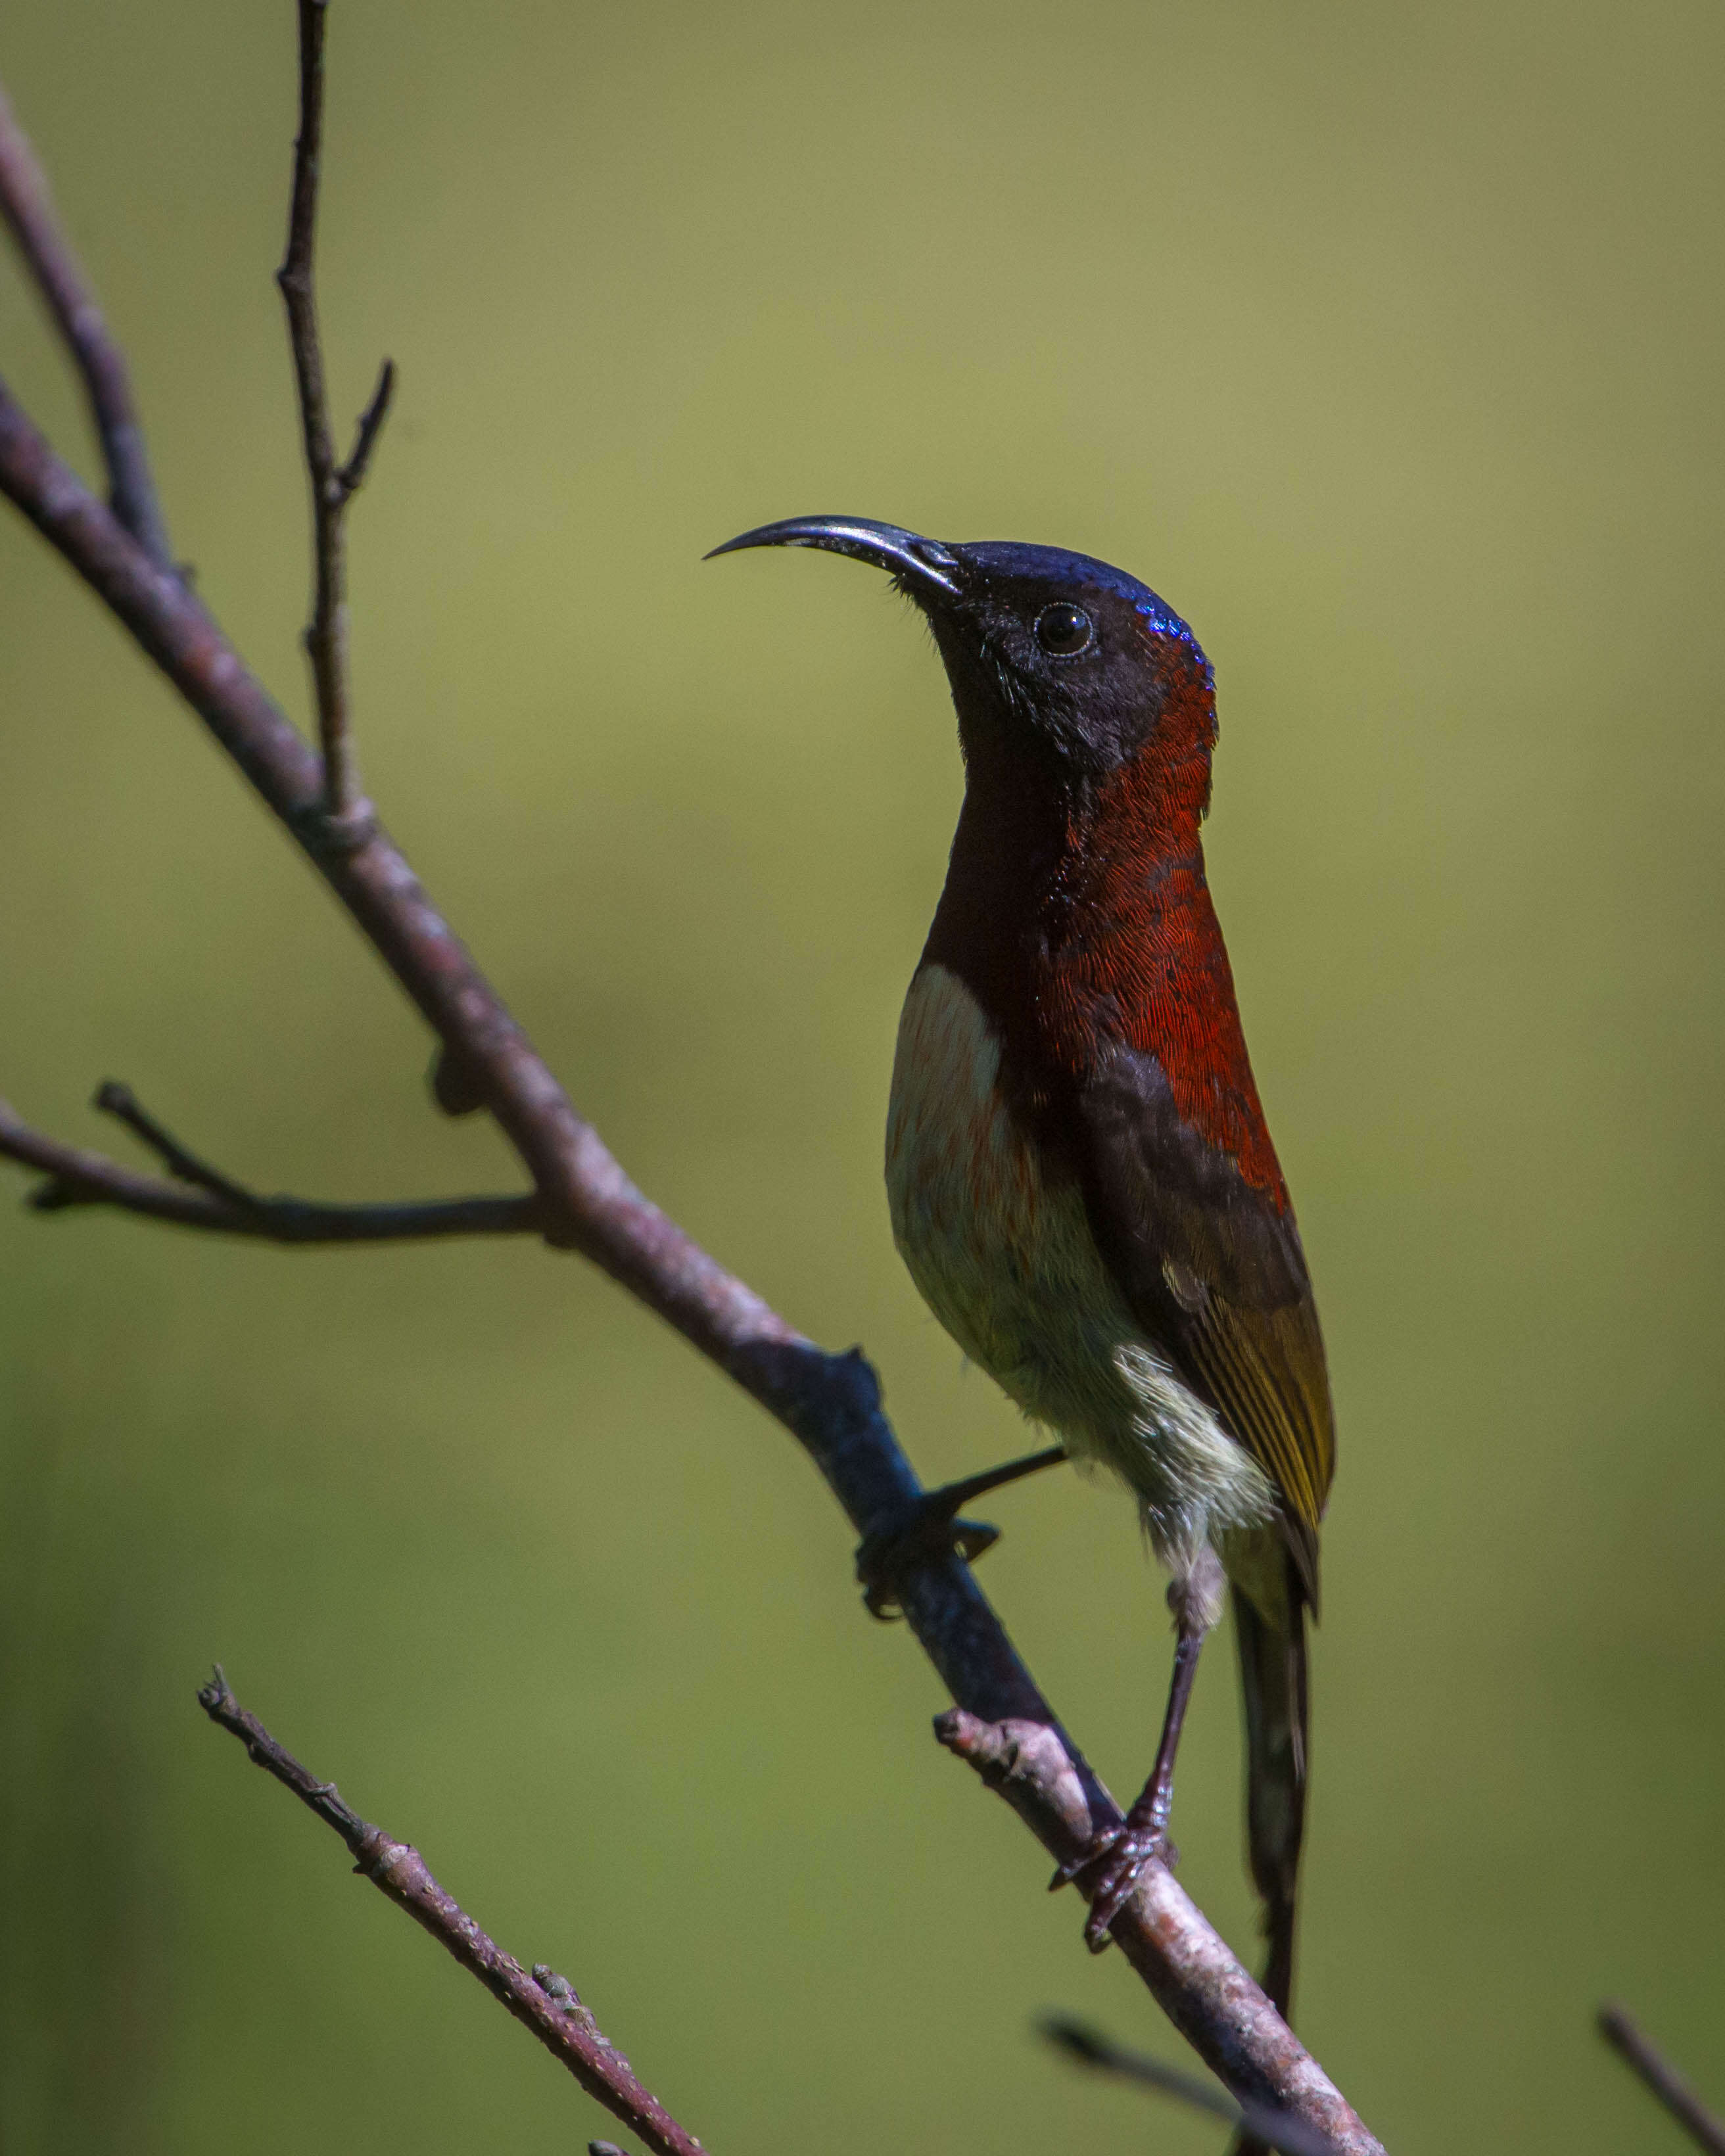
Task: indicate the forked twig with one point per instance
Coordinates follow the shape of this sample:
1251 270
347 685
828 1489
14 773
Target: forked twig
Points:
347 819
199 1197
542 2001
1276 2129
1658 2074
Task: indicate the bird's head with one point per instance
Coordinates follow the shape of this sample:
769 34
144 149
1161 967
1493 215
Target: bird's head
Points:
1064 670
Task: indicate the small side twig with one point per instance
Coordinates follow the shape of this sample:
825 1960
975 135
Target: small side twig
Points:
1658 2074
541 2001
28 210
353 474
333 486
199 1197
1276 2129
119 1101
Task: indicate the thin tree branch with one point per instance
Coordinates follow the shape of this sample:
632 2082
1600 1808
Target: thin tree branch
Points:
119 1101
28 210
80 1178
1210 1998
347 816
1657 2073
1277 2129
831 1403
543 2002
353 474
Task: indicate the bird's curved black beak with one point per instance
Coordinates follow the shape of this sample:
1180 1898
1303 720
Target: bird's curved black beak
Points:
922 567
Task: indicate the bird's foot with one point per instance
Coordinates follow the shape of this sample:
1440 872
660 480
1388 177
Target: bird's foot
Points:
1110 1867
923 1532
929 1529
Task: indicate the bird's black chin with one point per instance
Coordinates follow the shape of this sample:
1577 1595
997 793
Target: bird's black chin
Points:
923 569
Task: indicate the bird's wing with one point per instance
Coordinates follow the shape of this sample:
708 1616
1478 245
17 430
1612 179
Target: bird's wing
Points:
1215 1272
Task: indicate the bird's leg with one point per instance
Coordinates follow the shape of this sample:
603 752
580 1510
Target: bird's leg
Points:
1111 1864
931 1528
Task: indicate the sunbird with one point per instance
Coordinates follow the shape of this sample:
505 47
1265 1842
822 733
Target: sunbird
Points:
1080 1179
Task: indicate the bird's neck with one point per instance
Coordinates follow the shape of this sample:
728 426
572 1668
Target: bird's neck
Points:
1054 874
1079 917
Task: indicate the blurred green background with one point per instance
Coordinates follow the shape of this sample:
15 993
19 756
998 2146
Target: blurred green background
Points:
1385 343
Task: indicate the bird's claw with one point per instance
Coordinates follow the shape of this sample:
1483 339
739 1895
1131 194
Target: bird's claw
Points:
1116 1859
923 1533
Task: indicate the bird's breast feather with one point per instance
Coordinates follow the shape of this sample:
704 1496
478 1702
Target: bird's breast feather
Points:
995 1230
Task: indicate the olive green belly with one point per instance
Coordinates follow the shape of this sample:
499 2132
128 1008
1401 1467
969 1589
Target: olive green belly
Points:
1004 1257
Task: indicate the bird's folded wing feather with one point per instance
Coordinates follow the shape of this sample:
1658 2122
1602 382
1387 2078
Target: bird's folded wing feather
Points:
1213 1271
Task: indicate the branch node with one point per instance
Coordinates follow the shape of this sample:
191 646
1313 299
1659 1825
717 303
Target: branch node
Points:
57 1195
1033 1766
1033 1753
556 1987
983 1745
457 1088
334 834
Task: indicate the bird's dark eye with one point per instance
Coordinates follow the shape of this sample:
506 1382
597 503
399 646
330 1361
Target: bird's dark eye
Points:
1063 629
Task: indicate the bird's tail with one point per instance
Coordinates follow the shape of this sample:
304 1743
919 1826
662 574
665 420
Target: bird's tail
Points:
1272 1669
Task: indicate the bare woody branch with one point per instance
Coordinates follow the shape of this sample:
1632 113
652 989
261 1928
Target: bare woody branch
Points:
333 485
1194 1976
1656 2072
205 1200
831 1403
542 2001
28 211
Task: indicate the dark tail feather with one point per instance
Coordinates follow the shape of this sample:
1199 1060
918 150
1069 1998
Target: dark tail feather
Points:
1272 1668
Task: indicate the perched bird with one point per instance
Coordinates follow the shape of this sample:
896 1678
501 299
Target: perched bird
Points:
1081 1182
